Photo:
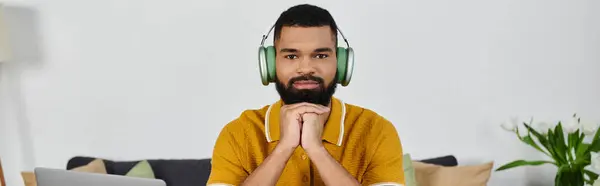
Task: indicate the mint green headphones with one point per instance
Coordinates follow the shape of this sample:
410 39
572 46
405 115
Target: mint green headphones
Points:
266 62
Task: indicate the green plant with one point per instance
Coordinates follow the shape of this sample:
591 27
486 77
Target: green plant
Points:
564 144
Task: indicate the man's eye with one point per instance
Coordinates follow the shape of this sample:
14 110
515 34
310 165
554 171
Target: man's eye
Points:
291 56
321 56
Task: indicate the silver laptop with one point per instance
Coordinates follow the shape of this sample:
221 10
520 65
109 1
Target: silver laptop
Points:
60 177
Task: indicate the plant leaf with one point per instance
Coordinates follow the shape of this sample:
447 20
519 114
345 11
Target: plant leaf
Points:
581 149
518 163
583 161
580 142
527 139
556 148
595 146
574 141
593 176
559 143
590 182
573 138
542 139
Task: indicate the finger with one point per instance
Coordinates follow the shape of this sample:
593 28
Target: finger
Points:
292 110
309 115
321 107
312 108
308 108
294 106
324 108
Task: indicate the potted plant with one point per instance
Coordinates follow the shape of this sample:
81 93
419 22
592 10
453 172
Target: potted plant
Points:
565 145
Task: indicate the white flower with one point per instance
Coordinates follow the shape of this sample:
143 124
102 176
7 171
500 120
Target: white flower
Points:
510 125
571 126
589 128
595 161
542 127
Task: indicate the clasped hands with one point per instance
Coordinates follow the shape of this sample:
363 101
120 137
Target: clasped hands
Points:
302 124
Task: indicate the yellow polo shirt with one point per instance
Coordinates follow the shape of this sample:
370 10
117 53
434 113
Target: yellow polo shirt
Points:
363 142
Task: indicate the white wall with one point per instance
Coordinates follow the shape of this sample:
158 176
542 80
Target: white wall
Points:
158 79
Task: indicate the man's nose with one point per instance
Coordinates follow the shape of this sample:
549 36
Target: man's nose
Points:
305 66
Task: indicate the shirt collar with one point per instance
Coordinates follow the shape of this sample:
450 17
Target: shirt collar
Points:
333 131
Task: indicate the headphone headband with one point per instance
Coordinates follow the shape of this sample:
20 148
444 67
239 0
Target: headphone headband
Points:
264 37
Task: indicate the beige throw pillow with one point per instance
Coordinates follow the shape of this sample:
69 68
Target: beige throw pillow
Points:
435 175
96 166
29 178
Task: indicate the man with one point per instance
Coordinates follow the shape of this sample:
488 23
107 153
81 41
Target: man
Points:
308 137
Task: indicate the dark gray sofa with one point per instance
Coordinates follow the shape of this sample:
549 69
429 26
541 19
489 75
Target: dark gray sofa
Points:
191 172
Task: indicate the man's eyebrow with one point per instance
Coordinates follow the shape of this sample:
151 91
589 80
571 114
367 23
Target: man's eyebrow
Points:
291 50
324 49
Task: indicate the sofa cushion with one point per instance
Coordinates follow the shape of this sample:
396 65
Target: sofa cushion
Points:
28 178
141 170
192 172
185 172
409 171
436 175
175 172
95 166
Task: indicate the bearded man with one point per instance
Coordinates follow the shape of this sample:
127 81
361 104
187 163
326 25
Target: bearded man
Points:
308 137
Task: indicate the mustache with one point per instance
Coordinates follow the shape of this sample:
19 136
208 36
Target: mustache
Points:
306 78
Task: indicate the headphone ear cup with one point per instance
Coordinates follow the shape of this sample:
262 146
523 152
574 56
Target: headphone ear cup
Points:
270 56
342 64
349 66
262 65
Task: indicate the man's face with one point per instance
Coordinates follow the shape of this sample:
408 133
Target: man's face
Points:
306 65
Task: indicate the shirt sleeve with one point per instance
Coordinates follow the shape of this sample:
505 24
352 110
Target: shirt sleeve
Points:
227 168
386 167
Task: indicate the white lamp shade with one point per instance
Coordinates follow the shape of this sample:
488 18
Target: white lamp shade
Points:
4 46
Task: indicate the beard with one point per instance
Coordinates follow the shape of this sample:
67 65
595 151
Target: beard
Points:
320 95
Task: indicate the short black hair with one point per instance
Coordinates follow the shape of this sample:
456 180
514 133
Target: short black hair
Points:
305 15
